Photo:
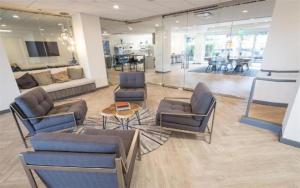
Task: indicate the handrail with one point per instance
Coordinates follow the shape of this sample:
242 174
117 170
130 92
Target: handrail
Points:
280 71
250 100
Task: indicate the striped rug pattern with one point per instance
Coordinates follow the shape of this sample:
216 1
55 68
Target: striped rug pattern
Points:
151 138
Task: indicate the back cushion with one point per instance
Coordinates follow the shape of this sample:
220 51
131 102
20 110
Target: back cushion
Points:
68 142
35 103
201 99
26 82
132 79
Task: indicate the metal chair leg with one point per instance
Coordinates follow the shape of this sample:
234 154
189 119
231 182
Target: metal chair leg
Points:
20 130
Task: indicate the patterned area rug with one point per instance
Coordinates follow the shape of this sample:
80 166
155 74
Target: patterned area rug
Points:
150 133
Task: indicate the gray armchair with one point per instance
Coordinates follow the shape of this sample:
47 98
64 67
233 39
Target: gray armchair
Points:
191 117
96 158
132 87
36 110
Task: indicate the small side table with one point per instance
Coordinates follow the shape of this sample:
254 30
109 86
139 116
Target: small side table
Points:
122 116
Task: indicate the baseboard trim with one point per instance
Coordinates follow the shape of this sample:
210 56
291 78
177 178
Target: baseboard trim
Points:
276 128
4 111
270 103
289 142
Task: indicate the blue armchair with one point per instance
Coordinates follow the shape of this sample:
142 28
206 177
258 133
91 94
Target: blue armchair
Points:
96 158
36 110
132 87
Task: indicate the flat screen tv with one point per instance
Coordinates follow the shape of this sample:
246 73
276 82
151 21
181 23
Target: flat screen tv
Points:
42 48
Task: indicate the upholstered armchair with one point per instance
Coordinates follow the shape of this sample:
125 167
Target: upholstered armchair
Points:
95 158
36 110
191 117
132 87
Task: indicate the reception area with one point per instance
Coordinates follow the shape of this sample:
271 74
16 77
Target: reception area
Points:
151 94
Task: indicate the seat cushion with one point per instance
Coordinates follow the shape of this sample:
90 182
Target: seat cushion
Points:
35 103
125 135
130 93
179 107
78 107
201 99
132 79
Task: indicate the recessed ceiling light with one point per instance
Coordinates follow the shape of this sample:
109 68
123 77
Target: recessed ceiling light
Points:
156 25
3 25
130 28
245 11
15 16
116 6
5 31
41 29
59 24
177 21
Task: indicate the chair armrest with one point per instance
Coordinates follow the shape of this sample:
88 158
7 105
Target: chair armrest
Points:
183 114
133 149
177 98
49 116
71 100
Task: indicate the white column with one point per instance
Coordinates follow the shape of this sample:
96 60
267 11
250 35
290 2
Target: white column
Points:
291 123
199 52
162 50
88 38
9 89
282 52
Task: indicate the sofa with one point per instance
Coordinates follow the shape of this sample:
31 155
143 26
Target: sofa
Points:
64 89
94 158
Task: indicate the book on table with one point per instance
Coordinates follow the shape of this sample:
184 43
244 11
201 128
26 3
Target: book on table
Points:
122 106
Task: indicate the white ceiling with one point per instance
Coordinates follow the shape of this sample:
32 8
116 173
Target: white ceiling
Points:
258 12
129 9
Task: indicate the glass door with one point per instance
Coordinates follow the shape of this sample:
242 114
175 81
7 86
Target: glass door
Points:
174 46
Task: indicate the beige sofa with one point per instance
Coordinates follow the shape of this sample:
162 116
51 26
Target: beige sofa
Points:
65 89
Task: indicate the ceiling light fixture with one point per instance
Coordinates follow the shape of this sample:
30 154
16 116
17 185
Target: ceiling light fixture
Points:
5 31
59 24
177 21
130 28
156 25
245 11
15 16
116 6
3 25
41 29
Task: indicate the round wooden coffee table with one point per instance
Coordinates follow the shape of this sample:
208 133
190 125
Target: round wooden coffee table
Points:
122 116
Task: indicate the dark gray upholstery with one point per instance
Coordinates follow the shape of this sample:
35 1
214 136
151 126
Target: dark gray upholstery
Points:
132 87
200 103
92 149
37 112
35 103
132 80
201 99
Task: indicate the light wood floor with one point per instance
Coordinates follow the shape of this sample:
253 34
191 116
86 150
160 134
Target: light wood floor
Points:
240 156
233 85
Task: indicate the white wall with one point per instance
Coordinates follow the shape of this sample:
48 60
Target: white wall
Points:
9 89
133 40
291 123
16 49
282 52
88 38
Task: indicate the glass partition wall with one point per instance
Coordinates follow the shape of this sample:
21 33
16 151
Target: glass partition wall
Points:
34 41
221 47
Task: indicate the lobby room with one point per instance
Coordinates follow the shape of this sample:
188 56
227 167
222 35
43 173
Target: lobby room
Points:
149 93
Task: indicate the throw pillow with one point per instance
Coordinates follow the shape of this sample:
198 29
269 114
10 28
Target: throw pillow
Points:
75 73
60 77
43 78
26 82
